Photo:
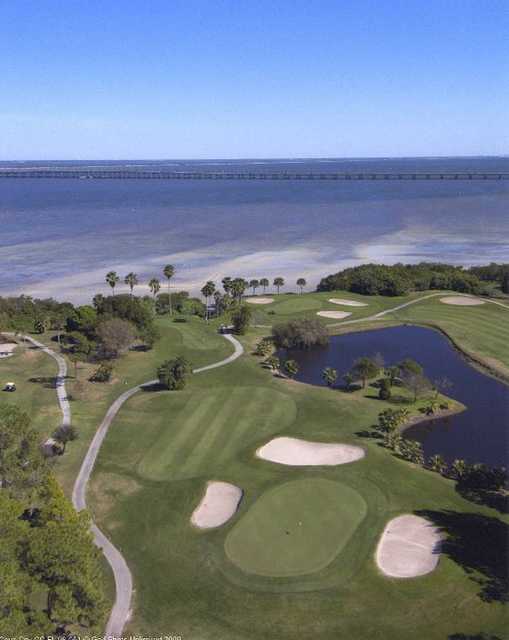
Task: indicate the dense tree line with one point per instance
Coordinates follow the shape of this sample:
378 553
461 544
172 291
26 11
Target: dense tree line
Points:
50 576
400 279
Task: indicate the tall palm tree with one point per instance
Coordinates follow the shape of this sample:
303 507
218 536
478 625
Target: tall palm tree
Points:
131 279
301 282
254 284
237 288
207 291
154 286
169 272
279 282
264 283
112 279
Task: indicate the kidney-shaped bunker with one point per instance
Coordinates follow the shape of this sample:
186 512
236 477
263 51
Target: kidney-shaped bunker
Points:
218 505
301 453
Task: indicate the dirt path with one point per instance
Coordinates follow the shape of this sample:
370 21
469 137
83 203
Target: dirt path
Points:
123 578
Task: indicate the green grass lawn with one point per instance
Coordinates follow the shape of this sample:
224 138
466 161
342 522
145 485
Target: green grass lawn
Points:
34 373
162 449
289 306
297 528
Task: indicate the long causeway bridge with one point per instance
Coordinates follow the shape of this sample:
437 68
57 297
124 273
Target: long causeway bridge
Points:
130 174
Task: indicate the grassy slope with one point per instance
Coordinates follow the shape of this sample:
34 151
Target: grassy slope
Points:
186 585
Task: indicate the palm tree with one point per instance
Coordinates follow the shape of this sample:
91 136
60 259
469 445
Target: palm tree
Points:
273 363
226 282
112 279
237 288
349 379
254 284
438 464
131 279
291 368
169 272
279 282
329 376
264 283
301 282
459 468
207 291
154 286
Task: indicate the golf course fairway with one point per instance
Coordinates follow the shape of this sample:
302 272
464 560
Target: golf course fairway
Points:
295 529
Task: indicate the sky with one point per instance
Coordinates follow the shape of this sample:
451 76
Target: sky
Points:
253 78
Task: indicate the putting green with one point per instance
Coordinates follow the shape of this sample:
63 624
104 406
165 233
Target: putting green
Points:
296 528
297 304
206 429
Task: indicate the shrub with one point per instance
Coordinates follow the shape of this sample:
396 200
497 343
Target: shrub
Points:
102 373
300 334
116 336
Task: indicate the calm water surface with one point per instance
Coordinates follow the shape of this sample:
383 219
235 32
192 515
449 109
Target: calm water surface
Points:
59 237
479 434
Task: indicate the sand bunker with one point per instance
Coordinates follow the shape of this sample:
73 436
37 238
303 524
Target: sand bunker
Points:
348 303
300 453
333 314
409 547
6 349
218 505
259 300
462 301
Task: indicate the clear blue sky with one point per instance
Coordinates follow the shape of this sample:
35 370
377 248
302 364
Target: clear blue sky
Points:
253 78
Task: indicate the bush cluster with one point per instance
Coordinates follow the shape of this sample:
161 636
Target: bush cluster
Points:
300 334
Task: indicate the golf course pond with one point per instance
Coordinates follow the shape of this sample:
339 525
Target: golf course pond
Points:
479 434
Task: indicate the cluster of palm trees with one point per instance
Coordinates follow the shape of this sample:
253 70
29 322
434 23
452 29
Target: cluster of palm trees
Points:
131 280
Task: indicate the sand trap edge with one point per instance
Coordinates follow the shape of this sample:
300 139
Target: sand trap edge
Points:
261 300
199 520
434 550
351 453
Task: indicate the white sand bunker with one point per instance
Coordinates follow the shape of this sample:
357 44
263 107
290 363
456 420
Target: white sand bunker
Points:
218 505
6 349
301 453
409 547
259 300
348 303
333 314
462 301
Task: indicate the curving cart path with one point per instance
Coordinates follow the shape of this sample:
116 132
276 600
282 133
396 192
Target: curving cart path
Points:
123 578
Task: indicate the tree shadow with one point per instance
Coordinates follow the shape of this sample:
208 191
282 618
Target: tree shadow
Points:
477 636
493 499
479 544
48 382
152 388
372 435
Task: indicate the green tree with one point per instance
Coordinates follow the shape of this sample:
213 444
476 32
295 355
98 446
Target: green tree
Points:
65 434
273 363
241 319
207 291
116 336
154 286
392 374
226 282
112 278
364 369
410 366
237 287
264 283
329 376
384 393
459 469
291 368
279 282
438 464
349 380
131 280
254 284
169 272
40 325
301 283
61 555
172 374
264 347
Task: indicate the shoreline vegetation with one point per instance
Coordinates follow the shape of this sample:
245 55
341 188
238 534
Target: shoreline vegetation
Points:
122 340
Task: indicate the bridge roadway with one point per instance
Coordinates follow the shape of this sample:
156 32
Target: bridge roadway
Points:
279 175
